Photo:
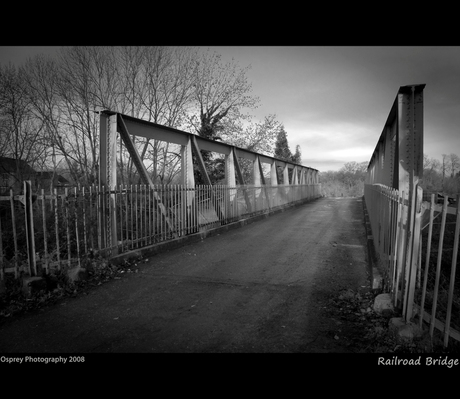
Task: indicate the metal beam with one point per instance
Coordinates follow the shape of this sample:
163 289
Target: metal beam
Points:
400 144
124 133
196 150
108 177
139 127
127 126
242 182
107 149
188 177
286 174
273 174
397 162
199 158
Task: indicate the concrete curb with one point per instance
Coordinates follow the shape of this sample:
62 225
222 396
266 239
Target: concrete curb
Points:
197 237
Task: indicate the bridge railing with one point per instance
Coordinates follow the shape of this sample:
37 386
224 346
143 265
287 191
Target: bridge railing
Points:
48 231
418 253
416 241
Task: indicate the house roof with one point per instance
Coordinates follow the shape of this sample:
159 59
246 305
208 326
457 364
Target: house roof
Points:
10 165
48 174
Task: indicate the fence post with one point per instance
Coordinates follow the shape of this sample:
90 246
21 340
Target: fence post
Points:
230 182
30 236
401 255
1 253
452 274
108 179
412 254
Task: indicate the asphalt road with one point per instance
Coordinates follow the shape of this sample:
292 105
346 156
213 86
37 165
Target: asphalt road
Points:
259 288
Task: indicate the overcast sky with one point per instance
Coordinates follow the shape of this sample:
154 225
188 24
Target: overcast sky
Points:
334 101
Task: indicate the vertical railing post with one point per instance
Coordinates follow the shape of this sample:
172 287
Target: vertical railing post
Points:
15 236
2 277
412 255
108 178
256 180
188 181
30 235
452 273
230 181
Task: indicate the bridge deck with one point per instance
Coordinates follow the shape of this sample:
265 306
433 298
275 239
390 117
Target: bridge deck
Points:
259 288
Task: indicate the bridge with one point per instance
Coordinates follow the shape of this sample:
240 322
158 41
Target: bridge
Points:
295 243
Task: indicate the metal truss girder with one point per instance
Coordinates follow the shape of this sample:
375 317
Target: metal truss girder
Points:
108 176
398 156
111 122
241 180
188 177
139 127
397 162
196 150
150 130
259 179
124 134
295 176
230 176
273 174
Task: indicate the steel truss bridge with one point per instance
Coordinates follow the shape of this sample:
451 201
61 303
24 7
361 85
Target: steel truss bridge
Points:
237 198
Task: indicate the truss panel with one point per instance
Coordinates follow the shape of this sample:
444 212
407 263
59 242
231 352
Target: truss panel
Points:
113 123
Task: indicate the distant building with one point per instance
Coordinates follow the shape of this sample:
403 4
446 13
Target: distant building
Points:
47 179
12 174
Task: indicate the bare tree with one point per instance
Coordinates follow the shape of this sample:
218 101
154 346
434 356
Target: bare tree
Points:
173 86
168 78
78 133
41 75
222 91
454 164
255 136
445 167
159 82
20 131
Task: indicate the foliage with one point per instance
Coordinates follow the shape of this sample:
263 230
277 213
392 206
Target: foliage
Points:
13 302
347 182
282 150
222 92
255 136
297 156
438 176
441 175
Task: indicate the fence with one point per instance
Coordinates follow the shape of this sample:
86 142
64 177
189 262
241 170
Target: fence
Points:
417 247
68 226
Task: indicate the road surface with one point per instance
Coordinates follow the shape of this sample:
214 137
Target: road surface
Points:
259 288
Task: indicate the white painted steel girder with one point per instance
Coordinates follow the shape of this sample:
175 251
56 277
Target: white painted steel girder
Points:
112 123
398 156
139 127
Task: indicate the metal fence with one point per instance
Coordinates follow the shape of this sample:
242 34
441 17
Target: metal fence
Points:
47 231
417 247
